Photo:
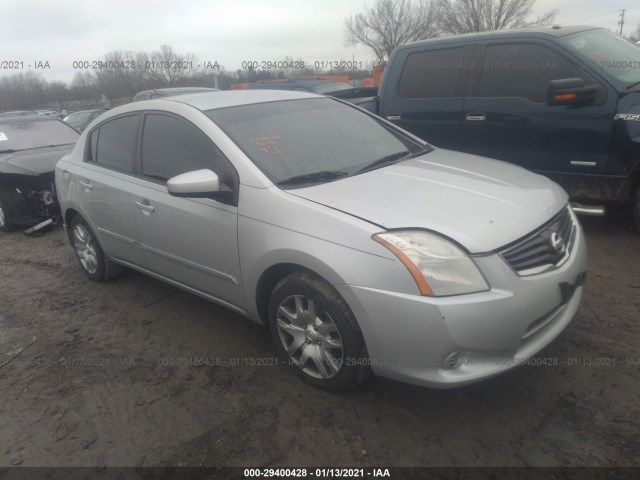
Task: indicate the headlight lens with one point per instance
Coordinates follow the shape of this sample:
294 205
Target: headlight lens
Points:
438 266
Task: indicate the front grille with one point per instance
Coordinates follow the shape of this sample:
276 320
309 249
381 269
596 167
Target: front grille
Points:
547 247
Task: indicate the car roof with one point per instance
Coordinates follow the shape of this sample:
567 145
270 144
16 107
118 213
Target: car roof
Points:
531 32
231 98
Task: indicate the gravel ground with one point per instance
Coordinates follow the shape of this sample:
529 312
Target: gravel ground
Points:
84 380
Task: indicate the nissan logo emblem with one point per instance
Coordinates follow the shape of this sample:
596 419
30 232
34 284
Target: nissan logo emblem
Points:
557 242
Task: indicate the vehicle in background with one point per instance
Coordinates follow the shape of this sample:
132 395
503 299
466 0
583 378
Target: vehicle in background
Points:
561 101
16 113
359 245
322 87
169 92
81 119
48 113
29 150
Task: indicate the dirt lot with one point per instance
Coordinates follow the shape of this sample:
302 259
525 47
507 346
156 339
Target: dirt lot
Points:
88 386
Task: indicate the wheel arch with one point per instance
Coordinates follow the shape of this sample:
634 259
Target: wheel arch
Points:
68 217
269 279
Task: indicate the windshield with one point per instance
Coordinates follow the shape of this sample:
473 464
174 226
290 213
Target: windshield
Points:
23 135
78 117
320 139
618 57
331 87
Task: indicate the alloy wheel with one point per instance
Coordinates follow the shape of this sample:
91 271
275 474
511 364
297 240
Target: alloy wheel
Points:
85 249
310 337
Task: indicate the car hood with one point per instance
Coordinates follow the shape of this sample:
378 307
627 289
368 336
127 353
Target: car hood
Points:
35 161
480 203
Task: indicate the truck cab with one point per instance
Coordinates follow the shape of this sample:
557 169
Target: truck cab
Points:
561 101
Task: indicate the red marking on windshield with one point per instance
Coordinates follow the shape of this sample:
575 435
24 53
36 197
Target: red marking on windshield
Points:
270 145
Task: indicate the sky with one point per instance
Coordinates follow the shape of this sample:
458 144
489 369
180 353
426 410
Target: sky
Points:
230 32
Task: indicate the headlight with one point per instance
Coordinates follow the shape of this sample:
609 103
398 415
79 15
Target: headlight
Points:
438 266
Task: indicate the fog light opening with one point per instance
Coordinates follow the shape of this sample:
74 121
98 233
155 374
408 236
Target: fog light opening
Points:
453 360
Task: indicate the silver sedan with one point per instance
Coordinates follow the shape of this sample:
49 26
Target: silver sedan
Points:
361 247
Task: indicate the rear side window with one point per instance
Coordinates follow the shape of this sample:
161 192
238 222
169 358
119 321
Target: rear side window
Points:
116 143
431 74
171 146
523 70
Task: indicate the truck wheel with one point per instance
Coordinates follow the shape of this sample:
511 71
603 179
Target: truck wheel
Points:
93 260
316 332
5 223
635 205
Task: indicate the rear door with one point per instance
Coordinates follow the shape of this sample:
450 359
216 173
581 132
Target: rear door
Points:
428 99
506 115
104 184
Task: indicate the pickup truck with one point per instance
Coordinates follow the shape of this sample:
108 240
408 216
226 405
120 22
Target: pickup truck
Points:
561 101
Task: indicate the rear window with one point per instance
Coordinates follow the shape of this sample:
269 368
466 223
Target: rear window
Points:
117 143
431 74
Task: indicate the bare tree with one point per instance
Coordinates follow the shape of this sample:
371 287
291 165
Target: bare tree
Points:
468 16
119 78
168 67
635 36
390 23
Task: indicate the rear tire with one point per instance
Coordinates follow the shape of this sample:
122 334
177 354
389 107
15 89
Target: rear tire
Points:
316 332
92 259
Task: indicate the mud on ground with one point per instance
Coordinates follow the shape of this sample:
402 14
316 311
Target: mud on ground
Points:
87 386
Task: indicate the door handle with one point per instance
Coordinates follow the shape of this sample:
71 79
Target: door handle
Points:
394 117
86 184
475 117
145 206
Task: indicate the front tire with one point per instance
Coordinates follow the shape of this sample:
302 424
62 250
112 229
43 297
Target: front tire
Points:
92 259
316 332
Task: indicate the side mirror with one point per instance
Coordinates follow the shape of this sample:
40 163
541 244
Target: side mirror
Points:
194 184
570 91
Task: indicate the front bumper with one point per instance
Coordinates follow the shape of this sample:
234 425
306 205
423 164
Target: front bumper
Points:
416 339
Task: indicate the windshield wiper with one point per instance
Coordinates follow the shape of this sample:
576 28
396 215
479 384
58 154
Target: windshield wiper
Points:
634 84
393 158
324 175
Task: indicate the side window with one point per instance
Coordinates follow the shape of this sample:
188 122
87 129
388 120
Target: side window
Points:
523 70
171 147
431 74
116 143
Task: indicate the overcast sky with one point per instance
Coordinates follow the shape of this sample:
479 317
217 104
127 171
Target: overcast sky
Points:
228 31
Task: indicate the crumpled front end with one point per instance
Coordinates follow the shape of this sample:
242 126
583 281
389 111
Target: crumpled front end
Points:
29 201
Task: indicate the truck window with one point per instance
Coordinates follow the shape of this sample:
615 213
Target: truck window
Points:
431 74
523 70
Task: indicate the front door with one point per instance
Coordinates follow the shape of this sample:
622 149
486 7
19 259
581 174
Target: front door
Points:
507 116
191 241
